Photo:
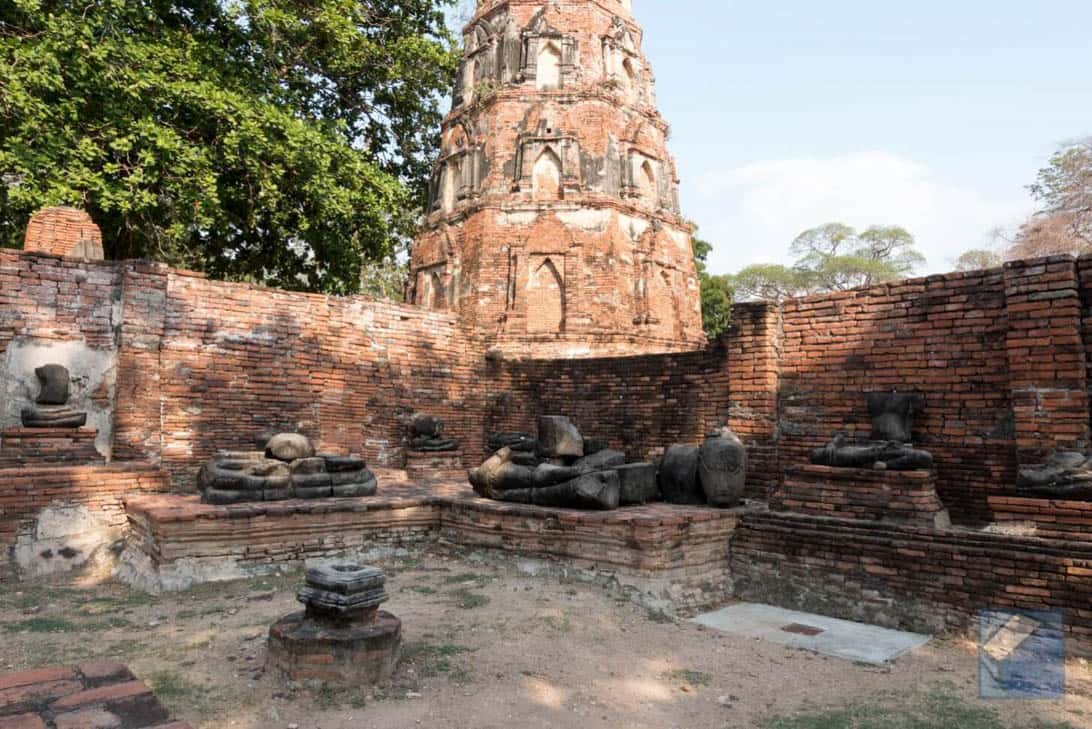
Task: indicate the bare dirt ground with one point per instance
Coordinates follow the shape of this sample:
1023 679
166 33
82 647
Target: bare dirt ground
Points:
487 646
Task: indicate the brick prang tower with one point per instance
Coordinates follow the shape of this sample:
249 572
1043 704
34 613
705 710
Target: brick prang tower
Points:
553 224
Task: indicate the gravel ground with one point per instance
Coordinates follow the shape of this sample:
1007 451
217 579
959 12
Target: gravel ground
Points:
489 647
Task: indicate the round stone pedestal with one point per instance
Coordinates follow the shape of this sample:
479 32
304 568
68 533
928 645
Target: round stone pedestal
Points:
350 654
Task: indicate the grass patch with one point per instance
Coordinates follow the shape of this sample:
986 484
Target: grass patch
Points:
939 708
431 659
421 589
465 577
467 599
335 697
175 689
689 677
42 625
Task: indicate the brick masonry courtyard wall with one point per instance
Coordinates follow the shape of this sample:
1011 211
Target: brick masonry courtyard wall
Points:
908 577
174 367
238 361
86 500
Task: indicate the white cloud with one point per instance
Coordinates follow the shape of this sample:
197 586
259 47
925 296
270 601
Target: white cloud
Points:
752 213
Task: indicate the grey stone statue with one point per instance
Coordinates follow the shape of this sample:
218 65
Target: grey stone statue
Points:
52 409
1065 474
427 434
288 468
889 448
556 469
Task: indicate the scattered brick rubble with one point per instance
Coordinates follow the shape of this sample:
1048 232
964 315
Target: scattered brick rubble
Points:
100 694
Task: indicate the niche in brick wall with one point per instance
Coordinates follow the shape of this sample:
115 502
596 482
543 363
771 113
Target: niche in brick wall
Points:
432 289
546 177
548 163
549 67
546 295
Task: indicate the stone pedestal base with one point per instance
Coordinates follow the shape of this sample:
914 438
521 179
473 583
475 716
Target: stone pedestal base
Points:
301 649
434 465
41 446
861 493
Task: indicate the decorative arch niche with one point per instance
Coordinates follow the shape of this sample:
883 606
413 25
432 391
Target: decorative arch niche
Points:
437 300
548 73
546 177
545 297
646 181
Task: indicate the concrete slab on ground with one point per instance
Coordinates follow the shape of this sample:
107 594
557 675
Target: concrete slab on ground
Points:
827 636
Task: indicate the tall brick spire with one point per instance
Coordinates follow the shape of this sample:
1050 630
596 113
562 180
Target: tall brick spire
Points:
553 223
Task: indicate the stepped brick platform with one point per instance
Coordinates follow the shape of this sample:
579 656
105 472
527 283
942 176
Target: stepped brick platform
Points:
435 466
909 577
102 694
1052 518
40 446
25 492
858 493
177 541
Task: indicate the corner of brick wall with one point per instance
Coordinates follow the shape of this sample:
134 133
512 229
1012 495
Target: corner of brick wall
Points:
1048 376
753 344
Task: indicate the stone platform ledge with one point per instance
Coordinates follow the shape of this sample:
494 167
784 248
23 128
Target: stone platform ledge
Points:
861 493
1065 519
100 694
176 541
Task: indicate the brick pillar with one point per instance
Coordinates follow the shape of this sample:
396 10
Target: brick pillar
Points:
1047 375
753 343
138 425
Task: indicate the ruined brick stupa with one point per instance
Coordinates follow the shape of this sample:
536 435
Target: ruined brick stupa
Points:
554 222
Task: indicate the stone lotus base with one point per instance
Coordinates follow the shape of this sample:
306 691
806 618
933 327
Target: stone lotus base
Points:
861 493
301 649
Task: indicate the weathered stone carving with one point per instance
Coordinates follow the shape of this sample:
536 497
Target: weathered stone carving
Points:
427 434
286 469
637 483
892 426
343 625
558 473
678 477
559 438
515 441
52 409
722 468
1065 474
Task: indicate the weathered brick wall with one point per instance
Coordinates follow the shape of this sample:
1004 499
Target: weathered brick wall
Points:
202 365
639 404
46 298
237 361
24 492
64 232
942 336
908 577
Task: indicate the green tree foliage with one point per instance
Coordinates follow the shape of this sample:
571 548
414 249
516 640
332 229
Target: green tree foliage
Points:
832 257
716 291
977 259
279 141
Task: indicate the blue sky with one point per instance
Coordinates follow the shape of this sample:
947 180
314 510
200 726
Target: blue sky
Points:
931 115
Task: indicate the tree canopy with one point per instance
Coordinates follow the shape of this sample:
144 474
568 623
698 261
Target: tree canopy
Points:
977 259
716 291
279 141
1063 224
832 257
